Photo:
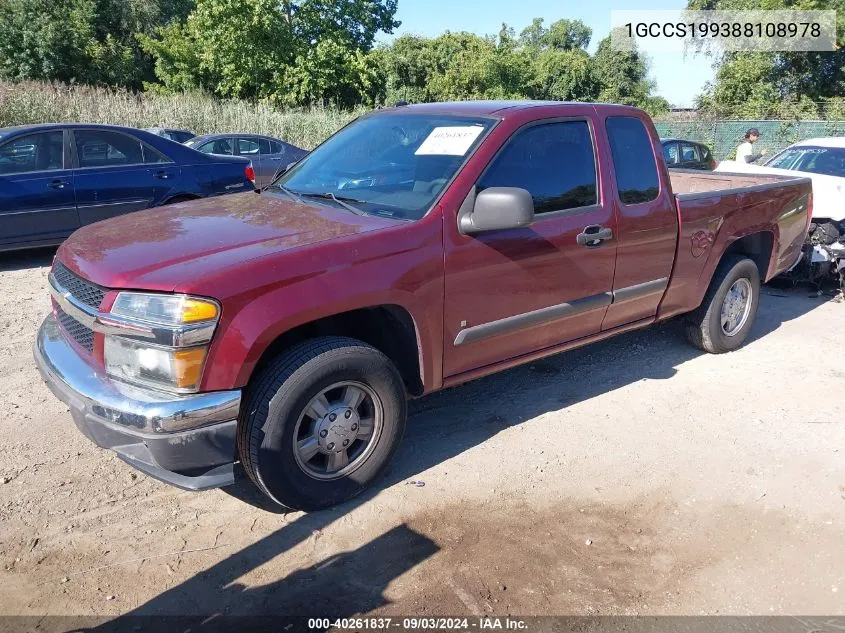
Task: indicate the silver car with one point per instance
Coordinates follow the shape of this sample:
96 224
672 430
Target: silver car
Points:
267 154
180 136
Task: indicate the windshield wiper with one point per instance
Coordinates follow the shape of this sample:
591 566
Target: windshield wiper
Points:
341 200
290 194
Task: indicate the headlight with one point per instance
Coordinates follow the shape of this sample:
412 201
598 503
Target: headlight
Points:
181 328
153 365
164 309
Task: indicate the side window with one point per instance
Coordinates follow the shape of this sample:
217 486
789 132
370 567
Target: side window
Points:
264 146
103 148
705 153
690 152
220 146
555 162
276 147
153 156
42 151
247 146
670 153
633 159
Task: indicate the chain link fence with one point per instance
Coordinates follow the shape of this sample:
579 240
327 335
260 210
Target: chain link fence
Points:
723 137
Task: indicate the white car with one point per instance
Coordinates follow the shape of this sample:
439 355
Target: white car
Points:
823 161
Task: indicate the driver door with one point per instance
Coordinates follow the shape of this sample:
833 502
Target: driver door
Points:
515 291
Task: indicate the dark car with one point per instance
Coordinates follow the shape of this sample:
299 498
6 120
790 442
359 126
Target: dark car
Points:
267 154
180 136
55 178
682 154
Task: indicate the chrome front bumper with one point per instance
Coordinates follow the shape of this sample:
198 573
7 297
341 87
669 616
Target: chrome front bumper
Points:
188 441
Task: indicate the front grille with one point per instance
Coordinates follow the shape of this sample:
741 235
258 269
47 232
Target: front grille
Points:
82 290
82 335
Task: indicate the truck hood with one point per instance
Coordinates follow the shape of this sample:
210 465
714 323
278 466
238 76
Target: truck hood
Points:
165 248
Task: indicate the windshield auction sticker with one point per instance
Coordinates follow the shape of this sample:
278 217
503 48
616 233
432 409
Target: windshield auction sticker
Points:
449 141
677 31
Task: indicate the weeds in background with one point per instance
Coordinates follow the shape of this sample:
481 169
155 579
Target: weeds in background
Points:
38 102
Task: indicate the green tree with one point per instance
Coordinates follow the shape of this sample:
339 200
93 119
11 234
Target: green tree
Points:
455 66
532 36
563 35
83 41
563 75
541 64
333 73
623 78
289 52
568 35
560 67
774 84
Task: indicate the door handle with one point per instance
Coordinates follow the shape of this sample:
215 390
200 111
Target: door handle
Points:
162 175
594 235
57 184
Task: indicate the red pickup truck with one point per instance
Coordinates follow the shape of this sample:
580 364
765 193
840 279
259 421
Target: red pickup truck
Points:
418 248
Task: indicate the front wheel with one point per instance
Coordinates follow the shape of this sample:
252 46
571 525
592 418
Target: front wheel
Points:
724 319
321 422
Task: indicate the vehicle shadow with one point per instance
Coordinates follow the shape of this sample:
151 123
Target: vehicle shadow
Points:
339 586
476 412
21 260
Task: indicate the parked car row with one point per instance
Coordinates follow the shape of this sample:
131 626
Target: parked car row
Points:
267 154
55 178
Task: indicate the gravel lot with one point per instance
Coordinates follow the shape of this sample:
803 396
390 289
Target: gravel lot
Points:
637 476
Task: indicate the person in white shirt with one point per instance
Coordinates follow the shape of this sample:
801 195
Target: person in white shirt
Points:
745 151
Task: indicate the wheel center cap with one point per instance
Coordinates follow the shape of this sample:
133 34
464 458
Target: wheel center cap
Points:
337 430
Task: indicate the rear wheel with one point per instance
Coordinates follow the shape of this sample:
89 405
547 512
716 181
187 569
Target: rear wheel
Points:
725 317
321 422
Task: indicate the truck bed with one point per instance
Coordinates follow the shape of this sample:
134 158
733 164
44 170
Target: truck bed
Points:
689 183
716 209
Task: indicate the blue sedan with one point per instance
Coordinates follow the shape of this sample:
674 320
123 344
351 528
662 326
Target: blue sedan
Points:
55 178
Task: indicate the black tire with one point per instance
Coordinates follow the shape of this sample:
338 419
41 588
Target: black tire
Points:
277 397
704 327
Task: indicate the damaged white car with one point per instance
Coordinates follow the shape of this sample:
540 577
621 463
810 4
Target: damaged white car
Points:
822 160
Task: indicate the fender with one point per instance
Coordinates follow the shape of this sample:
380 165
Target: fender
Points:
402 267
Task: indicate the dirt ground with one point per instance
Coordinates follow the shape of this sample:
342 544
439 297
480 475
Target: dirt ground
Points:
637 476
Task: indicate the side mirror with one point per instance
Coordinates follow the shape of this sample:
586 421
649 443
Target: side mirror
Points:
495 209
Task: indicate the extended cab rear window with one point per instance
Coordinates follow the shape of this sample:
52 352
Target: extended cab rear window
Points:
633 159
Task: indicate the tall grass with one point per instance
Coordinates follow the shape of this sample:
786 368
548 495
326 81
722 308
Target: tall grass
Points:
37 102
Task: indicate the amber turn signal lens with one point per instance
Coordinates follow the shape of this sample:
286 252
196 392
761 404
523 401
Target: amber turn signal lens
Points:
194 310
187 366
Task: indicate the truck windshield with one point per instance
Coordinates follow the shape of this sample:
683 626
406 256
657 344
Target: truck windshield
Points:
387 164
